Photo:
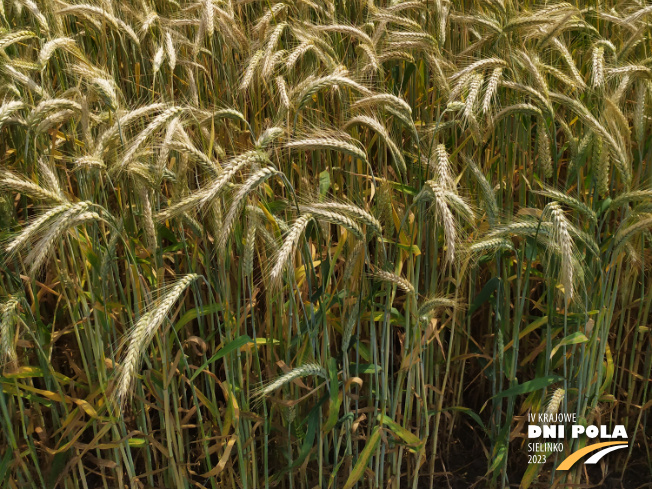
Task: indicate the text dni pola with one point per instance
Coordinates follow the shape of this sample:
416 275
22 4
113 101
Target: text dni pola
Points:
554 431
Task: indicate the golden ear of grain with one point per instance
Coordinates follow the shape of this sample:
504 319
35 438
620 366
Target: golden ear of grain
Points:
390 277
142 333
555 402
543 145
8 322
443 168
10 182
597 73
157 60
7 109
334 142
239 201
492 85
436 302
353 211
144 135
7 39
562 238
318 84
251 69
602 160
250 247
380 129
289 247
71 218
268 136
337 218
296 373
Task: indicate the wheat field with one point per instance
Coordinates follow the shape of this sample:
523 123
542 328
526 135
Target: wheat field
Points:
320 243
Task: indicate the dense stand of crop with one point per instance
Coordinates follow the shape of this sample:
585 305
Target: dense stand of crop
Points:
321 243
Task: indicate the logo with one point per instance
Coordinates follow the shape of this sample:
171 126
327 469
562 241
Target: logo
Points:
602 448
552 427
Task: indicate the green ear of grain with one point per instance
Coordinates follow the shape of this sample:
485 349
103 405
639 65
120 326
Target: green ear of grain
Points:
363 459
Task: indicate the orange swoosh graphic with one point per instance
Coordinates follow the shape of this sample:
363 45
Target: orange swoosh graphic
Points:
571 459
